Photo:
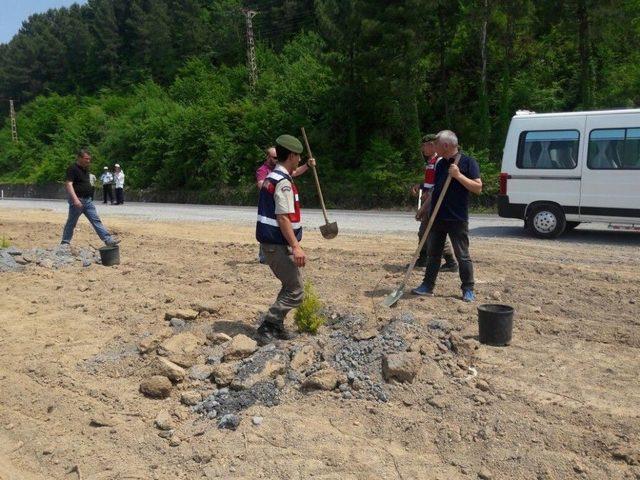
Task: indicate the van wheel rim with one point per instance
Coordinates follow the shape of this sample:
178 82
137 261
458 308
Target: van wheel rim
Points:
545 222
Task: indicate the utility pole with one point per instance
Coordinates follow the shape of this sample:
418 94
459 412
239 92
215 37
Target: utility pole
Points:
12 115
251 48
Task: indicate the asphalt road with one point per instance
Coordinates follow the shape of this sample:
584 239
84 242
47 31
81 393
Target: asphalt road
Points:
349 221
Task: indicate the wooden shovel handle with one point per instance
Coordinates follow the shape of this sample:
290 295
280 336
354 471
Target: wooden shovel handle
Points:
315 176
432 218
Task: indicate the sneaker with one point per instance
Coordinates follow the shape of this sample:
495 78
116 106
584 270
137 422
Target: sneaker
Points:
449 267
468 296
423 291
112 242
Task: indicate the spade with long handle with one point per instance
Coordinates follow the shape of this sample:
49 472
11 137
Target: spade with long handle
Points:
394 296
328 230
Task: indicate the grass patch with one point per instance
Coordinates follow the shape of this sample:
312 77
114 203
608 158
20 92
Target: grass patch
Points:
308 317
4 243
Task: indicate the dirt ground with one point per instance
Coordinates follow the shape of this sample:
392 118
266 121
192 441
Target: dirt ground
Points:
562 401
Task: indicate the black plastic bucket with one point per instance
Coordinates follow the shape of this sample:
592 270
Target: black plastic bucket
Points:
110 255
495 324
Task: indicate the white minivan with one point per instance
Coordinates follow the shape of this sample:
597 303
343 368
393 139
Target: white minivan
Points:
562 169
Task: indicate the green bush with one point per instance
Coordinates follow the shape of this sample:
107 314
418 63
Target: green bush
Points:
308 317
4 243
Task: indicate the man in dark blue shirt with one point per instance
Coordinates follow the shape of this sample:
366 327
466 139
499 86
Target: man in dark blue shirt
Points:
453 216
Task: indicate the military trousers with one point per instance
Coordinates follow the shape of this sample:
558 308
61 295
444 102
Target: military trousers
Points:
280 260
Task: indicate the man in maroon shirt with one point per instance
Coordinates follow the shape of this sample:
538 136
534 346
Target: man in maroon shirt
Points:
270 163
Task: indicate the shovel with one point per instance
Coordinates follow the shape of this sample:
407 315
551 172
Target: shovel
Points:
394 296
328 230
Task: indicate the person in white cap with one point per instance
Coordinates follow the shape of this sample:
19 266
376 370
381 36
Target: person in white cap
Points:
119 182
107 186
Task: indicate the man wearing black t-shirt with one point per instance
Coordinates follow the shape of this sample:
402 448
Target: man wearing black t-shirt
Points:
80 191
453 216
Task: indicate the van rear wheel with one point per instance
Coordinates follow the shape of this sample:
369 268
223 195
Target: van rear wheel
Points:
546 220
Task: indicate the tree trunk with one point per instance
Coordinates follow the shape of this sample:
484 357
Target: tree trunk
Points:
584 45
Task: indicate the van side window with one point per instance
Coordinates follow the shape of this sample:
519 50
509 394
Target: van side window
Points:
548 149
614 149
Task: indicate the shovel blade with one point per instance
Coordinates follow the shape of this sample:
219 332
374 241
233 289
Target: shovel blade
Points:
329 231
391 299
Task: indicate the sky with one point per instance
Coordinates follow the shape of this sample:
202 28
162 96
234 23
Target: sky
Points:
14 12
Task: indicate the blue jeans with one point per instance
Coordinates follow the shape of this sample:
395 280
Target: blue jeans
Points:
89 210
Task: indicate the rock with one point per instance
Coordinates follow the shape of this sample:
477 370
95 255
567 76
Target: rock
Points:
206 307
437 324
83 288
271 369
436 402
190 398
223 373
479 399
182 348
184 314
177 323
173 372
13 251
151 342
157 386
20 260
165 434
402 367
240 346
496 295
537 309
102 420
200 372
257 421
175 441
463 346
218 338
485 474
502 396
303 358
627 454
229 421
483 386
326 379
367 334
46 263
164 421
579 468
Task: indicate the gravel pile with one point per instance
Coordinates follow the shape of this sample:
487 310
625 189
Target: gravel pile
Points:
226 401
15 260
360 357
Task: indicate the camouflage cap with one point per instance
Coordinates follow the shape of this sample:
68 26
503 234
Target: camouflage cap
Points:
429 137
290 142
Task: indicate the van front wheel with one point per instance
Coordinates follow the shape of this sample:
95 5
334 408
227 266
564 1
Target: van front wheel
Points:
546 221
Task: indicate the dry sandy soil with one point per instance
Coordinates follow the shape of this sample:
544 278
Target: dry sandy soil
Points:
562 401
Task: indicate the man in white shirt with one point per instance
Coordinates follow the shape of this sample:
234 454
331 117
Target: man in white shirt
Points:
107 185
118 178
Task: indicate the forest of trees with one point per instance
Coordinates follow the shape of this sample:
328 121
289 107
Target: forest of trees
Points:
162 87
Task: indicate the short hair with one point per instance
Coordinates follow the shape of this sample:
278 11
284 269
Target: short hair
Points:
448 137
82 152
282 153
